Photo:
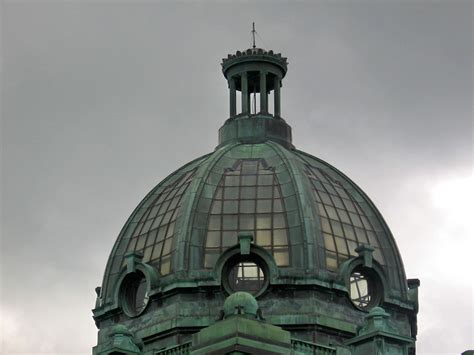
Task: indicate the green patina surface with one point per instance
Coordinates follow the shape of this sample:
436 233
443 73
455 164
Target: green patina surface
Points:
305 235
256 196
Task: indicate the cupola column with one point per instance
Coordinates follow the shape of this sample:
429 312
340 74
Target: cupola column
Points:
245 94
232 93
276 99
263 92
258 72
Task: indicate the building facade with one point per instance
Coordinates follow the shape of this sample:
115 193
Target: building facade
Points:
256 248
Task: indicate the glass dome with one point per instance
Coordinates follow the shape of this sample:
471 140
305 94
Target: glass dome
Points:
254 219
303 211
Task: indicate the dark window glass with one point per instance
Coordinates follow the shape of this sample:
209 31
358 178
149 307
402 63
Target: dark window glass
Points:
170 230
337 228
277 205
232 181
264 192
366 222
249 180
141 242
231 206
264 221
349 231
264 206
247 193
361 235
280 237
331 260
331 212
329 242
229 222
281 257
246 222
156 222
264 238
349 205
276 192
216 207
325 198
135 293
211 258
157 251
229 239
352 247
355 220
167 247
231 193
341 246
344 216
214 223
325 225
249 167
247 206
165 266
279 220
337 202
147 252
213 239
265 180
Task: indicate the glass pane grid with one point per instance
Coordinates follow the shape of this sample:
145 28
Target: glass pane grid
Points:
128 241
248 199
154 234
343 222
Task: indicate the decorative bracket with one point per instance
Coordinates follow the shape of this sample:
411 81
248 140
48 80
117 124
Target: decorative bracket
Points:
366 253
245 240
132 259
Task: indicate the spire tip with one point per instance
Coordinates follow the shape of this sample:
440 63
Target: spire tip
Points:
253 34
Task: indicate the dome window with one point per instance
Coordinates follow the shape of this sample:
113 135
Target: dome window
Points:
344 224
248 199
134 294
364 288
245 271
246 276
153 235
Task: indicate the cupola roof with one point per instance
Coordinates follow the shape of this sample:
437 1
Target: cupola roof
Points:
307 214
306 217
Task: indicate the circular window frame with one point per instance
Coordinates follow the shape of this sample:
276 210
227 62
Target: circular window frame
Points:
129 281
239 258
374 286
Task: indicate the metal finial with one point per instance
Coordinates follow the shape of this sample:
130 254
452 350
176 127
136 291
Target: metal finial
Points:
253 34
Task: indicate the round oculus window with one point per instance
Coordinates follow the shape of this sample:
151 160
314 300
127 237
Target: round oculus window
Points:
246 276
363 289
134 294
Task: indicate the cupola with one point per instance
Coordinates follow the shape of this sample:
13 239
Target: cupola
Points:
256 227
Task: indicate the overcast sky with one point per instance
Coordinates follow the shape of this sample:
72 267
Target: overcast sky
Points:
102 99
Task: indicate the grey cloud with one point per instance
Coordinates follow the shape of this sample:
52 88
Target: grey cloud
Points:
101 100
